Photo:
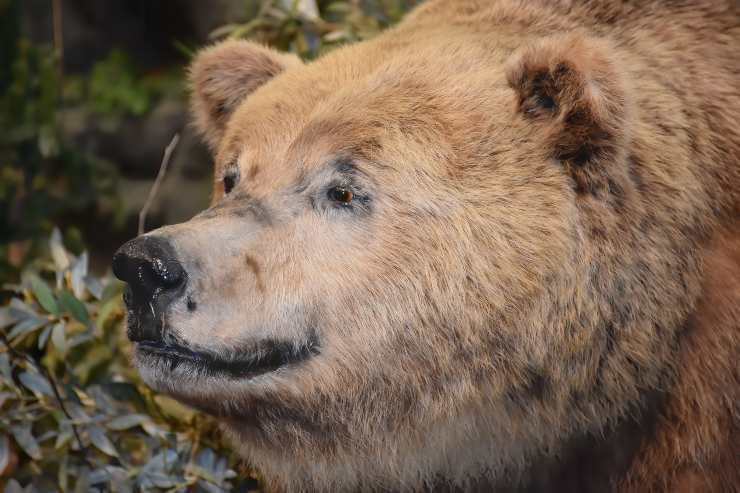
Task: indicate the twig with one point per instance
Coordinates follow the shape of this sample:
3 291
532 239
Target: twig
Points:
157 181
58 396
56 6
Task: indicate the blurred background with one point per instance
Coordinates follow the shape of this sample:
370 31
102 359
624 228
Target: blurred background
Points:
91 94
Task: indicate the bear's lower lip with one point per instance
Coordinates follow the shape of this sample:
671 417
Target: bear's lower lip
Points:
265 357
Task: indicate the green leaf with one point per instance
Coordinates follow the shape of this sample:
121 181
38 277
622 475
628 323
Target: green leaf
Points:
62 473
36 383
7 317
112 289
25 440
160 462
26 326
83 484
4 452
210 467
47 435
106 309
96 357
43 295
154 430
101 440
94 286
157 480
44 337
65 436
206 459
5 370
74 307
77 274
20 310
108 474
59 339
13 486
175 409
128 421
58 252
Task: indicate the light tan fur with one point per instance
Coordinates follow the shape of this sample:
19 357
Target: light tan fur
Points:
543 181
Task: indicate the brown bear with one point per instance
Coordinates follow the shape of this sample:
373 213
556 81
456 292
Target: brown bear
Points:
495 248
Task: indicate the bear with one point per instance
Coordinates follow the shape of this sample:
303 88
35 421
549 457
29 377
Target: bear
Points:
494 248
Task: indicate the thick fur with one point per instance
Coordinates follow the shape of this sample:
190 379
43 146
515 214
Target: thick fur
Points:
696 444
541 253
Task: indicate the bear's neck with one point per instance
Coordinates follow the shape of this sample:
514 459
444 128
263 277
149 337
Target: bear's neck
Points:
593 463
587 463
685 438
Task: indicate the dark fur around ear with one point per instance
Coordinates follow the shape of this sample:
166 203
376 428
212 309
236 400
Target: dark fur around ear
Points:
222 75
568 86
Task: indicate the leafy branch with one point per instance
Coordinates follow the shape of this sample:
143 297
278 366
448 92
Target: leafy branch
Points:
74 412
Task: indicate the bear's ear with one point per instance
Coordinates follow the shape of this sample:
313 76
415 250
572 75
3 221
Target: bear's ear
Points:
570 88
222 75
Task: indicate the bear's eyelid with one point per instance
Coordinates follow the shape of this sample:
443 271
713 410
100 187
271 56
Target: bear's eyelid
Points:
345 166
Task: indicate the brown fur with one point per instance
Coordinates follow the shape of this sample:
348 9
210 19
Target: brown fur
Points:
533 276
696 446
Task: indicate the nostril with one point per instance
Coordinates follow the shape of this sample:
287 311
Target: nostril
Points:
148 279
169 273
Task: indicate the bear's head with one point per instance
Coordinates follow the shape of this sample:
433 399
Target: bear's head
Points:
421 260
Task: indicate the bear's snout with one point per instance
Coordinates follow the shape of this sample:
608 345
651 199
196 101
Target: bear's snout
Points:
154 277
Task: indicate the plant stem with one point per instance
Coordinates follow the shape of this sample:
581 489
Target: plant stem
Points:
157 182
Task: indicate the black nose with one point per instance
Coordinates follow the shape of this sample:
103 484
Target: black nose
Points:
155 279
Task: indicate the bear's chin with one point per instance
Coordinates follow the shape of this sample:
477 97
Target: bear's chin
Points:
206 390
207 381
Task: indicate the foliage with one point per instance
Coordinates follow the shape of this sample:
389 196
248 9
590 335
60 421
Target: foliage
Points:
42 178
309 28
115 88
45 178
73 410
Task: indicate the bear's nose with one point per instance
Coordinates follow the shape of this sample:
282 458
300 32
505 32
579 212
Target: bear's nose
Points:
154 277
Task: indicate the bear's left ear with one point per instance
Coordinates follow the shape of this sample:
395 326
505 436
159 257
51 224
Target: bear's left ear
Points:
570 88
222 75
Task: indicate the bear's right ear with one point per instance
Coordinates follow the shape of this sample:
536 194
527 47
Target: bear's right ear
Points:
222 75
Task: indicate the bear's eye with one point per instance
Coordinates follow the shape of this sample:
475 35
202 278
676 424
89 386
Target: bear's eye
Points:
230 179
341 194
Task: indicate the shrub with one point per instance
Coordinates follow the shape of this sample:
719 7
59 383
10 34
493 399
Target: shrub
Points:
74 415
309 28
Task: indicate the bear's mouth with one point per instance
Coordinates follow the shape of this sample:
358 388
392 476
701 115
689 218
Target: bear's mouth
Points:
265 357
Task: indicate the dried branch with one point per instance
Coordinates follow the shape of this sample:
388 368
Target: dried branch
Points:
56 7
157 182
60 401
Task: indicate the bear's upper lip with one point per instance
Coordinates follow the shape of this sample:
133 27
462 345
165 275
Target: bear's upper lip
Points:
265 357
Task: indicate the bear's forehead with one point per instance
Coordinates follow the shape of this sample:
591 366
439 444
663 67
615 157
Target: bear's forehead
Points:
351 103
